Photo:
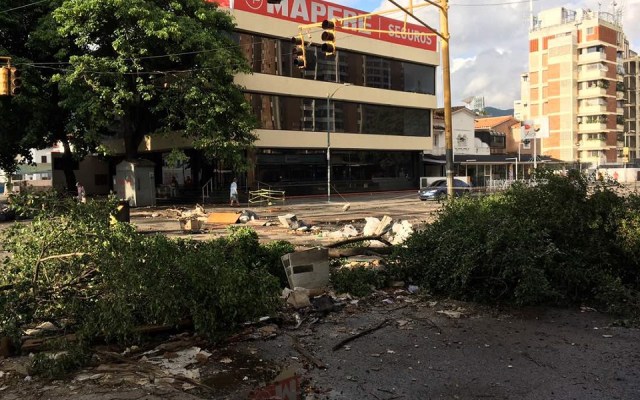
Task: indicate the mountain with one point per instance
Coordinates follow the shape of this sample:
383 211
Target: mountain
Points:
497 112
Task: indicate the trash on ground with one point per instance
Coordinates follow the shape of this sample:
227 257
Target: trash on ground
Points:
247 215
308 269
346 232
286 386
298 297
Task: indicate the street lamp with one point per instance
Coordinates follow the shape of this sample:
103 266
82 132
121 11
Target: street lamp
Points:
329 120
516 160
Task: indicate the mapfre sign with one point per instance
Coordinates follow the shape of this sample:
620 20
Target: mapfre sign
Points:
312 11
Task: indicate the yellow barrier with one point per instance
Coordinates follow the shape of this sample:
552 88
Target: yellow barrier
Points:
266 196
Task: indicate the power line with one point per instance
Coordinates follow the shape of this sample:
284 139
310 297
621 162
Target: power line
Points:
502 3
24 6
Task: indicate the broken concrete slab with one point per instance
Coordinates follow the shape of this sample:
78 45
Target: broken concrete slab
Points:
346 232
370 226
191 225
400 232
384 226
289 221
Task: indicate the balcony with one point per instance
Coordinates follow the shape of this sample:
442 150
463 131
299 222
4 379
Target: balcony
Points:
619 95
591 57
593 144
619 110
592 92
591 110
592 75
592 127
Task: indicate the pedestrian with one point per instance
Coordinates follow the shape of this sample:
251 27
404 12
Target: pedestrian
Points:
174 186
233 193
82 196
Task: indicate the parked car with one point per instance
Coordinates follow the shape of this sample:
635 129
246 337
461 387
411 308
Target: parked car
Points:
438 189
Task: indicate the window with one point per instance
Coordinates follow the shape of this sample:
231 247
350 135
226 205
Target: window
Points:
590 30
274 57
305 114
43 159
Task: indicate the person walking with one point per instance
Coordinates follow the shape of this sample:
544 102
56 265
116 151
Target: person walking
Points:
233 193
82 195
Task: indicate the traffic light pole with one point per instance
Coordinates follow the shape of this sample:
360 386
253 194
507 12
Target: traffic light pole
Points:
443 5
446 86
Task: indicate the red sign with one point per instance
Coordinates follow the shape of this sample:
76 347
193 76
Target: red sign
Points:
312 11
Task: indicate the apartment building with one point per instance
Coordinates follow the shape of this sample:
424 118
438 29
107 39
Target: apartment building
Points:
631 110
575 79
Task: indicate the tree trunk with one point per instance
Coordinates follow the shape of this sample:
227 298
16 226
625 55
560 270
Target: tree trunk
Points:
67 166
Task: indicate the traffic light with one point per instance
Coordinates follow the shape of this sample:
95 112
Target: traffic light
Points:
16 82
299 52
329 37
4 81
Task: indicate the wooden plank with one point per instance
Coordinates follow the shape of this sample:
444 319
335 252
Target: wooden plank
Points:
223 218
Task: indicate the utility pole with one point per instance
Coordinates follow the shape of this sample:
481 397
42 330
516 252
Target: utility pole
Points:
446 78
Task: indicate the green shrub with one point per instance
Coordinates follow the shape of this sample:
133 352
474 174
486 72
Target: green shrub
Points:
548 244
70 264
271 256
67 358
358 281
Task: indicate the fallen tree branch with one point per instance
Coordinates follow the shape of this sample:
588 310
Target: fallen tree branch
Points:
54 257
6 287
358 251
360 334
379 238
300 349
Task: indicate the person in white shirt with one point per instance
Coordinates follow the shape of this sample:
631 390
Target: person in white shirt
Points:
233 192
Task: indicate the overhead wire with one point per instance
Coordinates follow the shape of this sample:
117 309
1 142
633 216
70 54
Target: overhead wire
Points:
23 6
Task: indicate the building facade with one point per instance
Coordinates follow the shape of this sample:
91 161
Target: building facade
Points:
631 110
370 103
575 79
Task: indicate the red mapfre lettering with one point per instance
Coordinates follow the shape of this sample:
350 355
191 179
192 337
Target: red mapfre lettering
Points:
311 11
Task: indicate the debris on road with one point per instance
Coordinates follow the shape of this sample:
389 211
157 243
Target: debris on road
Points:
360 334
308 269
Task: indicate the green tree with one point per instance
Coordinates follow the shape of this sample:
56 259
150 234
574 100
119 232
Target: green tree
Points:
151 66
35 118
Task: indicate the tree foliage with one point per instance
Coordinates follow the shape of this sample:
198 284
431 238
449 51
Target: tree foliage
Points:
72 267
554 243
128 69
150 66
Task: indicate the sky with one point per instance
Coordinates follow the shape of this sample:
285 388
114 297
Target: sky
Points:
489 41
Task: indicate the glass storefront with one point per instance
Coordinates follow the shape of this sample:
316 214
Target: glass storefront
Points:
300 171
275 57
307 114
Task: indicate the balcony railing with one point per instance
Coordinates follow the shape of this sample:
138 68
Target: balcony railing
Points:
591 127
592 92
593 144
592 75
591 57
590 110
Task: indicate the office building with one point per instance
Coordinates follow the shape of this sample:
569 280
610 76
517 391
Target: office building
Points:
371 102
